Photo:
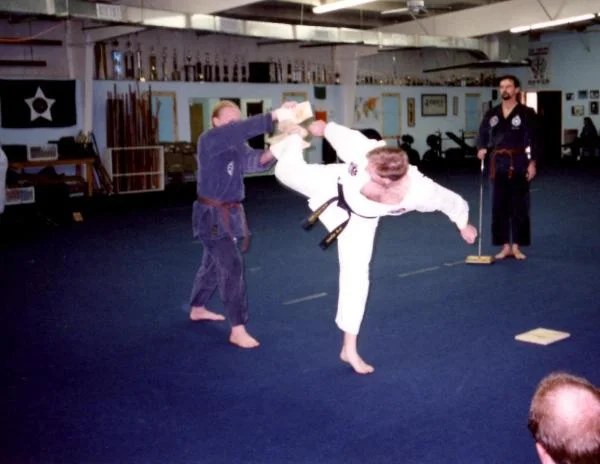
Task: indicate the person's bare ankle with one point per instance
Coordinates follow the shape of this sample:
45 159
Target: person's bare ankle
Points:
517 253
358 364
200 313
504 253
240 337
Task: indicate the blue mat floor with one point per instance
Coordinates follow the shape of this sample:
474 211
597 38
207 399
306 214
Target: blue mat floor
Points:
101 364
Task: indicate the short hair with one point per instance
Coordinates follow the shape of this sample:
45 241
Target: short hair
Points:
390 163
564 418
223 104
515 80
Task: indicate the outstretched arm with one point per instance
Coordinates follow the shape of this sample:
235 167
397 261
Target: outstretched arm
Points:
431 196
350 145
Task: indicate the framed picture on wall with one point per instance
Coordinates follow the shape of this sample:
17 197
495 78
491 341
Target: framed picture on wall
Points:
294 96
582 94
434 104
593 107
595 94
577 110
410 112
570 96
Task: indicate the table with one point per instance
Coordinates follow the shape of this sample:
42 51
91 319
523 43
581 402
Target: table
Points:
88 163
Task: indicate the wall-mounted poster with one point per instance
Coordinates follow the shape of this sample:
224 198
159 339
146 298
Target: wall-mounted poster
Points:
577 110
593 107
434 104
410 112
595 94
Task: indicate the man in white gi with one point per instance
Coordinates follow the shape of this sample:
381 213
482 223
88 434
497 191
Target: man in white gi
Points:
349 198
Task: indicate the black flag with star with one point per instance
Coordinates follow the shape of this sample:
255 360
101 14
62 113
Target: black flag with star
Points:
27 104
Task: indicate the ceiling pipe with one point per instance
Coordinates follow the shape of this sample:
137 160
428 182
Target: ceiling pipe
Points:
133 16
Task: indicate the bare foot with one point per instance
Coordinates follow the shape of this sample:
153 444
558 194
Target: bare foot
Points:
356 362
240 337
518 253
200 313
504 253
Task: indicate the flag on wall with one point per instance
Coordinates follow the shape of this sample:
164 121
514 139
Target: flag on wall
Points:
539 55
27 104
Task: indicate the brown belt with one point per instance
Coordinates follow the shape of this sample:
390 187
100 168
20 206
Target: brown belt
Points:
510 152
225 206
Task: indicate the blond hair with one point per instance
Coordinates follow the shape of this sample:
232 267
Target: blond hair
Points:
223 104
389 163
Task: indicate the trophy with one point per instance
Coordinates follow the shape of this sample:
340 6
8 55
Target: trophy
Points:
117 62
207 69
189 68
139 69
199 69
244 72
164 66
175 74
152 66
129 68
225 70
217 69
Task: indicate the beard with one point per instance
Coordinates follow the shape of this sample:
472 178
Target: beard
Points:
505 96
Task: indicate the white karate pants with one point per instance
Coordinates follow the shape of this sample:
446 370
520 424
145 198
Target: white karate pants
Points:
355 243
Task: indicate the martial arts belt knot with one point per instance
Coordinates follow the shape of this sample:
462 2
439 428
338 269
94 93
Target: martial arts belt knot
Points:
510 152
335 233
225 207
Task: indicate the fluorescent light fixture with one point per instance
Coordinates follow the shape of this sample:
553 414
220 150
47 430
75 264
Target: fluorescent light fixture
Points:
394 11
339 5
556 22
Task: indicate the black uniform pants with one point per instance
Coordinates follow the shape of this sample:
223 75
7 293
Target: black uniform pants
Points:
510 209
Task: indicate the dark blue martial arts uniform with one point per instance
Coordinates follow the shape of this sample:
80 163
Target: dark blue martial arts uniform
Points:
506 140
218 215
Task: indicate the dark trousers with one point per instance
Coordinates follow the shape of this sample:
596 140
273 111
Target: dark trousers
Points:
510 209
223 268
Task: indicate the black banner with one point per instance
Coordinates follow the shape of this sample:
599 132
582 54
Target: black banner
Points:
27 104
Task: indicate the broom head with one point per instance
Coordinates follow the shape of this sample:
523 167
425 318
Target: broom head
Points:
477 259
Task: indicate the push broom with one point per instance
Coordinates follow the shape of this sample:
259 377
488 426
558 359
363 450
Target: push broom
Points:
479 259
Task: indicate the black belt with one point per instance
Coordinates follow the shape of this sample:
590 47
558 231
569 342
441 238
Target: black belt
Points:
335 233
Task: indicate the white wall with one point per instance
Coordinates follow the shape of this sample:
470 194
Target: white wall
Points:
573 66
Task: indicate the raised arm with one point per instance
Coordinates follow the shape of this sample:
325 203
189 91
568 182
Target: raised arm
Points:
238 132
350 145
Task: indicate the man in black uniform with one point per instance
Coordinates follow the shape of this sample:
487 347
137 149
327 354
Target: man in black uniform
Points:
509 136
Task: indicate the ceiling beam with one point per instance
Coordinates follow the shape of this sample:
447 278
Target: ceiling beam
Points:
494 18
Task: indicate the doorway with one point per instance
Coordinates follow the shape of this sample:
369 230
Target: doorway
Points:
549 109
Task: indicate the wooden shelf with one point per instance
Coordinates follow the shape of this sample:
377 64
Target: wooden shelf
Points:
23 63
25 41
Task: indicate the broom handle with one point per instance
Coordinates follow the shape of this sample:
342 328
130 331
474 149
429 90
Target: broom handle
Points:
480 208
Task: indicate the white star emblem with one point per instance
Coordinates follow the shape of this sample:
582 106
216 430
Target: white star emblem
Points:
40 105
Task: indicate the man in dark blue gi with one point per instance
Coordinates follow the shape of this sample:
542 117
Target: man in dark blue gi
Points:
218 215
509 136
